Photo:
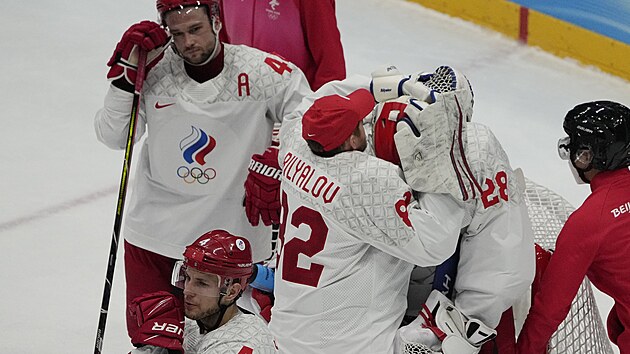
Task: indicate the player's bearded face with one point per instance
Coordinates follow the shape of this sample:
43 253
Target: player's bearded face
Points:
201 294
192 33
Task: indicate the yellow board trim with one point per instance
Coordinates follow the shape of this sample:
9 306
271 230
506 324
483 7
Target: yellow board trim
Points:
555 36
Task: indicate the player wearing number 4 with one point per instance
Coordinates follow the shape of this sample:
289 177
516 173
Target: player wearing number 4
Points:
206 108
213 275
351 231
496 254
595 240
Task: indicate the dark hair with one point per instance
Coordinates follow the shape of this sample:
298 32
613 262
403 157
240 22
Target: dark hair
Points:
318 149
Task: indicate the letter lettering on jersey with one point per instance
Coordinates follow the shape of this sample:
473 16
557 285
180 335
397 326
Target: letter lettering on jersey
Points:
316 191
300 174
622 209
308 180
298 168
302 178
289 160
243 84
328 197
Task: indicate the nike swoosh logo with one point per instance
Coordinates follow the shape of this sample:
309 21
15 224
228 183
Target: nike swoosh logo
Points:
159 106
310 135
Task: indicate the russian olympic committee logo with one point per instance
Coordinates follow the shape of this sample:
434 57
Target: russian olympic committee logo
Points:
195 148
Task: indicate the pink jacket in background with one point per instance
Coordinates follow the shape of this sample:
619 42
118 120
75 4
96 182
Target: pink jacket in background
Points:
302 31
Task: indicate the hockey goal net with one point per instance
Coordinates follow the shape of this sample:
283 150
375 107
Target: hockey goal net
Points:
582 331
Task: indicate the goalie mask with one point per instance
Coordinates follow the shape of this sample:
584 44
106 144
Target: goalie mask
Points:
213 262
598 137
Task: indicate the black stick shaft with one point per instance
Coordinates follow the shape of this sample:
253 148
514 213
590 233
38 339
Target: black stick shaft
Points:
122 193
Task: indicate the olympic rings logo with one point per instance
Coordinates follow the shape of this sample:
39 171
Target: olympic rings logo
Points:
196 174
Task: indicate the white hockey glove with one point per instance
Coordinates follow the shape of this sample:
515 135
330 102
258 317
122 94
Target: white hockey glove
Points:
440 322
388 83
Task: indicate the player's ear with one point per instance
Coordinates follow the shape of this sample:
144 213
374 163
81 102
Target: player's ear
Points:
232 292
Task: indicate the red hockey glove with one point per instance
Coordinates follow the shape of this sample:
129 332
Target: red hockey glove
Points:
262 188
160 321
147 36
265 301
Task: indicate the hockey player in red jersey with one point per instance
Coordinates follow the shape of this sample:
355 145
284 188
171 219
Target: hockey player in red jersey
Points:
496 253
213 275
595 240
206 108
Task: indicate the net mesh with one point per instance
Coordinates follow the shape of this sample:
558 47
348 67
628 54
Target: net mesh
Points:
582 332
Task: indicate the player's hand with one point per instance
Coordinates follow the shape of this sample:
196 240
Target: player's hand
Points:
145 35
160 321
262 188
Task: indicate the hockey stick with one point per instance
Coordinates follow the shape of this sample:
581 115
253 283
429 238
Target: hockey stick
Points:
122 193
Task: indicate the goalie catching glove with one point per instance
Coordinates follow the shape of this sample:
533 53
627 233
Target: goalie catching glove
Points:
428 139
442 327
262 188
160 322
147 36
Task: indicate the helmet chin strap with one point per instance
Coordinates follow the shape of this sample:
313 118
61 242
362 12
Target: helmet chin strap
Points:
222 309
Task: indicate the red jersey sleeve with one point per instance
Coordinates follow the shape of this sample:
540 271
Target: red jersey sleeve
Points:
323 40
576 247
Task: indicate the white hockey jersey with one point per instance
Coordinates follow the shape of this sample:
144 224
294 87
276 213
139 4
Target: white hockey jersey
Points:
497 258
351 232
243 334
200 137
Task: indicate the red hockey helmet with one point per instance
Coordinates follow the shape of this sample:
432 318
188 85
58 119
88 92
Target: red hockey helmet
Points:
221 253
164 6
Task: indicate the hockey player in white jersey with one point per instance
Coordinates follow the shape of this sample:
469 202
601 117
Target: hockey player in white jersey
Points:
206 108
213 275
496 258
351 231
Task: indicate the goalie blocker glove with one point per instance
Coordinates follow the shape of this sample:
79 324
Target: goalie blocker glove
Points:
147 36
262 188
160 321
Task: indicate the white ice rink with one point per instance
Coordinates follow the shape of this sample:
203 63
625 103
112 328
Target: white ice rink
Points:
58 184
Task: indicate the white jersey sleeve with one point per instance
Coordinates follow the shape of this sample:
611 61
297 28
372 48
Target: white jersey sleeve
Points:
112 121
243 333
497 261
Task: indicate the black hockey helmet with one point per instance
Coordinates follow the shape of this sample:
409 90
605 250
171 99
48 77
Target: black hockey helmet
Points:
600 132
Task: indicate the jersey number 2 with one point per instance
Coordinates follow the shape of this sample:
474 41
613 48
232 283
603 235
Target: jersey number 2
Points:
290 252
